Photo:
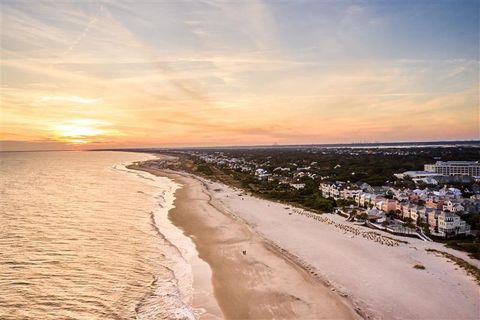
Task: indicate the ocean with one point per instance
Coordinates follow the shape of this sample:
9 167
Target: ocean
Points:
83 237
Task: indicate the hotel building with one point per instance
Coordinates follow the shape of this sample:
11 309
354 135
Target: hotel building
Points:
453 168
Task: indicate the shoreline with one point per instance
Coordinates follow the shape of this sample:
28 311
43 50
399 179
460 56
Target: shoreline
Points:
374 269
266 281
373 273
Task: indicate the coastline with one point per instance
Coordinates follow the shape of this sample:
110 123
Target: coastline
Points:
261 284
374 269
372 274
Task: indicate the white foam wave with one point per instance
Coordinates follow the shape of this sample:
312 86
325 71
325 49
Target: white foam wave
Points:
171 291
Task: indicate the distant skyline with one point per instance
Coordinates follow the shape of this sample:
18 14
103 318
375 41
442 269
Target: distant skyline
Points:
118 74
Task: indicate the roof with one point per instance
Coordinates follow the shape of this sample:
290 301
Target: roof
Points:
419 173
457 163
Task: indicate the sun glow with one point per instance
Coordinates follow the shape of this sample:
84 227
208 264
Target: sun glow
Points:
72 99
91 75
78 131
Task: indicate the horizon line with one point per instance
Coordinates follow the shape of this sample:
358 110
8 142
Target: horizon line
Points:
431 142
259 146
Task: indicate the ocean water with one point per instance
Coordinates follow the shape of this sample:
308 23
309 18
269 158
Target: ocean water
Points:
83 237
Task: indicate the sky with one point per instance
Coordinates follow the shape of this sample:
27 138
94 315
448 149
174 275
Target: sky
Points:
114 74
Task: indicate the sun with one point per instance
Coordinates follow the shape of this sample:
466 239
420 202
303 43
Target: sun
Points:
78 131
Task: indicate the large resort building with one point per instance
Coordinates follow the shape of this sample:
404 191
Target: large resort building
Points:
454 168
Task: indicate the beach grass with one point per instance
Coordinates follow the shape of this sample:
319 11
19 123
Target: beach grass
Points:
469 268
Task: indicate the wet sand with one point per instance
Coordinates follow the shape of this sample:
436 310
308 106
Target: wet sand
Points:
251 278
374 269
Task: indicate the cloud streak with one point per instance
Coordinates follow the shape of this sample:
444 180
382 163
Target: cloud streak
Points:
214 72
73 99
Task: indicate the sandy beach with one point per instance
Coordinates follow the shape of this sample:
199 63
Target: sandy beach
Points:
258 284
299 265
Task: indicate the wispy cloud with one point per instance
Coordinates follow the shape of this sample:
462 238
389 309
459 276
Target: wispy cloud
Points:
234 73
73 99
85 31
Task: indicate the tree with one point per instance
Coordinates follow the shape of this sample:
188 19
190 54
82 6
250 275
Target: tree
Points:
363 216
419 222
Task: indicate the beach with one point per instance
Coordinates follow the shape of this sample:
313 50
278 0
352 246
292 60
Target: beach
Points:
251 279
270 260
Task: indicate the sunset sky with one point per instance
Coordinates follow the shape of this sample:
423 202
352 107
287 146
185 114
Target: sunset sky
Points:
96 74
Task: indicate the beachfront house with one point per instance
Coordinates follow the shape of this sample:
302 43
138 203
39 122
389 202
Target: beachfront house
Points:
453 206
348 193
376 215
450 224
432 219
389 205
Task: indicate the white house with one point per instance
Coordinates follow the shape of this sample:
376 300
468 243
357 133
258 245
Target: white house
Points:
450 224
297 186
453 206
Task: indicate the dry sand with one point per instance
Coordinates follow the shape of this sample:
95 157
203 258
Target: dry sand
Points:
304 266
260 284
375 272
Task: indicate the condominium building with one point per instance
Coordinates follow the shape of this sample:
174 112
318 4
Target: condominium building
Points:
454 168
338 190
389 205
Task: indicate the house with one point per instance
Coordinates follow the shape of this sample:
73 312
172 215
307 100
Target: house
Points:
398 194
338 190
434 202
407 209
260 172
364 199
416 175
348 193
376 198
324 189
432 219
416 213
422 214
365 187
426 180
450 224
376 215
453 206
297 186
389 205
449 193
378 203
264 176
